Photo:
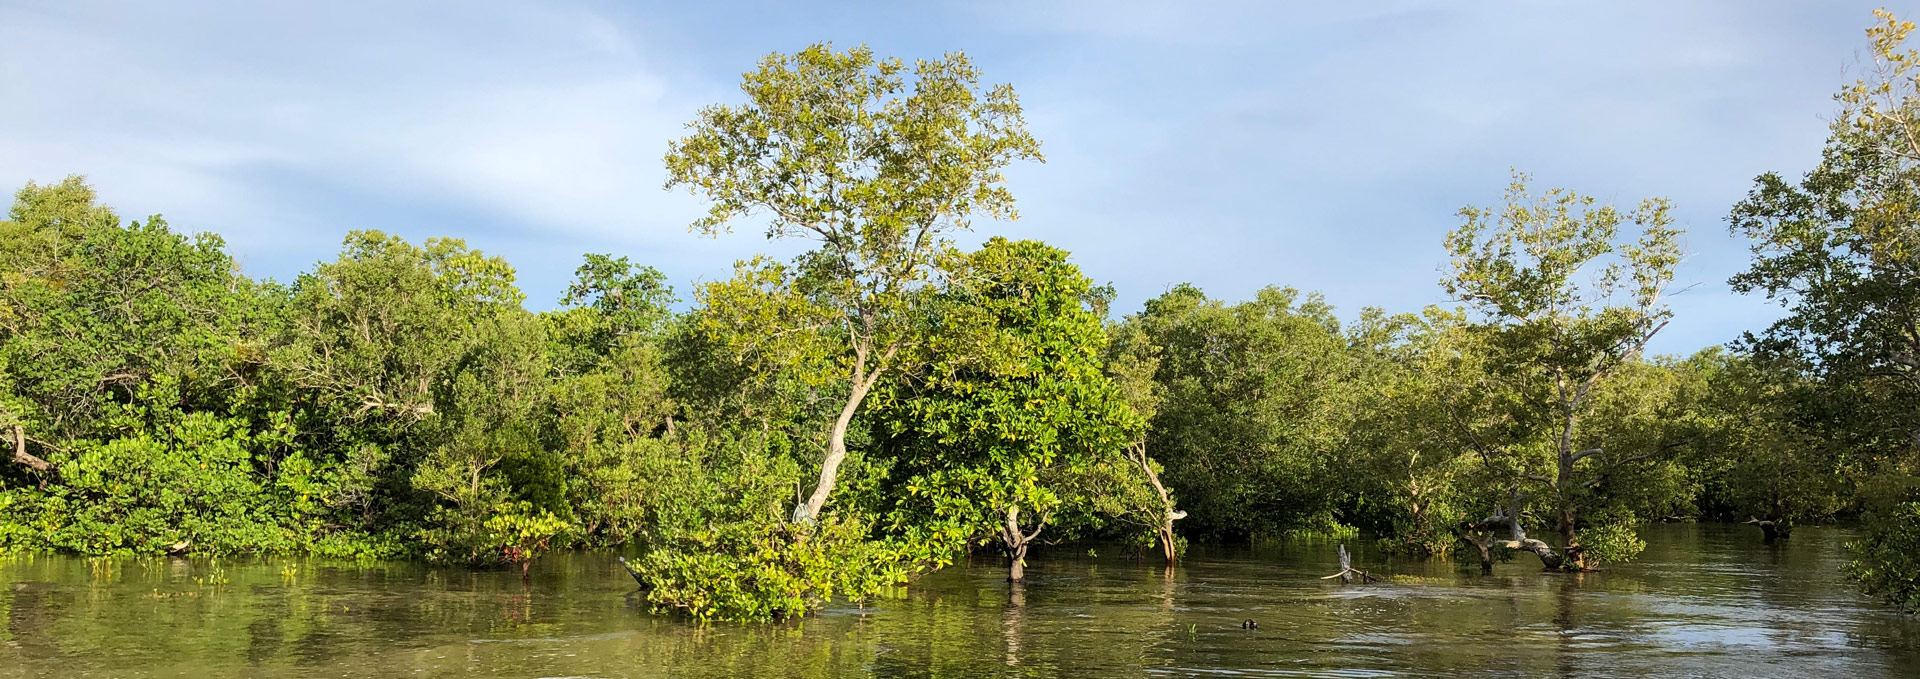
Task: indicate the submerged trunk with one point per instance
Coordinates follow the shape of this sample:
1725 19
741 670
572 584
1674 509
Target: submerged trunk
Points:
1017 543
1137 453
1549 559
1575 557
1482 540
632 571
1347 572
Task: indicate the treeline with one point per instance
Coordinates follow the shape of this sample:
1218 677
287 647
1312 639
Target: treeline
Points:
888 401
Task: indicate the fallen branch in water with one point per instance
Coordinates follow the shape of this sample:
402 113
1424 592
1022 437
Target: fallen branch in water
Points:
1347 571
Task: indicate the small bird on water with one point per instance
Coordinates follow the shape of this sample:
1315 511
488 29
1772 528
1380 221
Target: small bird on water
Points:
1249 624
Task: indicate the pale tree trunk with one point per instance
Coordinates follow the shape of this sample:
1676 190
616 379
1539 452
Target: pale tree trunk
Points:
1549 559
863 380
1137 453
806 511
1017 544
1480 535
21 455
1348 573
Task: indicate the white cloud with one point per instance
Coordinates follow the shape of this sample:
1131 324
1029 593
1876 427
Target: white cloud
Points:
540 115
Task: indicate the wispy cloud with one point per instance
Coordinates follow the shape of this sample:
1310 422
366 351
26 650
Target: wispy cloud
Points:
546 118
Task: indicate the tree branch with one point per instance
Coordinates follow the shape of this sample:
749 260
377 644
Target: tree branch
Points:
21 455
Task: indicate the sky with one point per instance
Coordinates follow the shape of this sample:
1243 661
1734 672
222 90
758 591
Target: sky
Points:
1326 147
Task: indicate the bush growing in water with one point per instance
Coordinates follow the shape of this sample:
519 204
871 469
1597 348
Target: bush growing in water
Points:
769 569
1887 559
718 544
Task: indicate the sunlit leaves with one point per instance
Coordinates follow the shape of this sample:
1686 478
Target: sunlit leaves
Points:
1841 251
1011 409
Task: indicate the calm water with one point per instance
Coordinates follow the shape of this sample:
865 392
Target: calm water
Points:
1704 601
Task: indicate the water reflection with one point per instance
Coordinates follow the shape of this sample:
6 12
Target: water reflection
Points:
1704 602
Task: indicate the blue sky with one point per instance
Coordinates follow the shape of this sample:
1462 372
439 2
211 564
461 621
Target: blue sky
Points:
1228 145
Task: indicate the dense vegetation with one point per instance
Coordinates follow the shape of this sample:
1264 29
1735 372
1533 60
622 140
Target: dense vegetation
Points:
401 400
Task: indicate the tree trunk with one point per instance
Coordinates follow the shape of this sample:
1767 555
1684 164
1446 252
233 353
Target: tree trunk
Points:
805 512
1483 542
21 455
1347 572
1575 556
1137 453
1549 559
1017 543
632 571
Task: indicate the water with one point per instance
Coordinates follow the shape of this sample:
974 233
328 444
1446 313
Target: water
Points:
1704 601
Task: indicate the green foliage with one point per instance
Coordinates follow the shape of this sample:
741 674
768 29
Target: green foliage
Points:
769 569
522 534
423 380
612 305
608 401
844 142
842 149
163 403
1759 454
1139 496
1416 476
134 401
1012 413
718 545
1254 402
190 483
1886 560
1611 539
1565 303
1840 250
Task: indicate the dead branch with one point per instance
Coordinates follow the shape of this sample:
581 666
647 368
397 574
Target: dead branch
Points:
1348 572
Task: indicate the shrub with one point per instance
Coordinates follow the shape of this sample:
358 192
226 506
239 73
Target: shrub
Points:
769 569
1886 561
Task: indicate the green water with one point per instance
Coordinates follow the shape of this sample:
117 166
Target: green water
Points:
1704 601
